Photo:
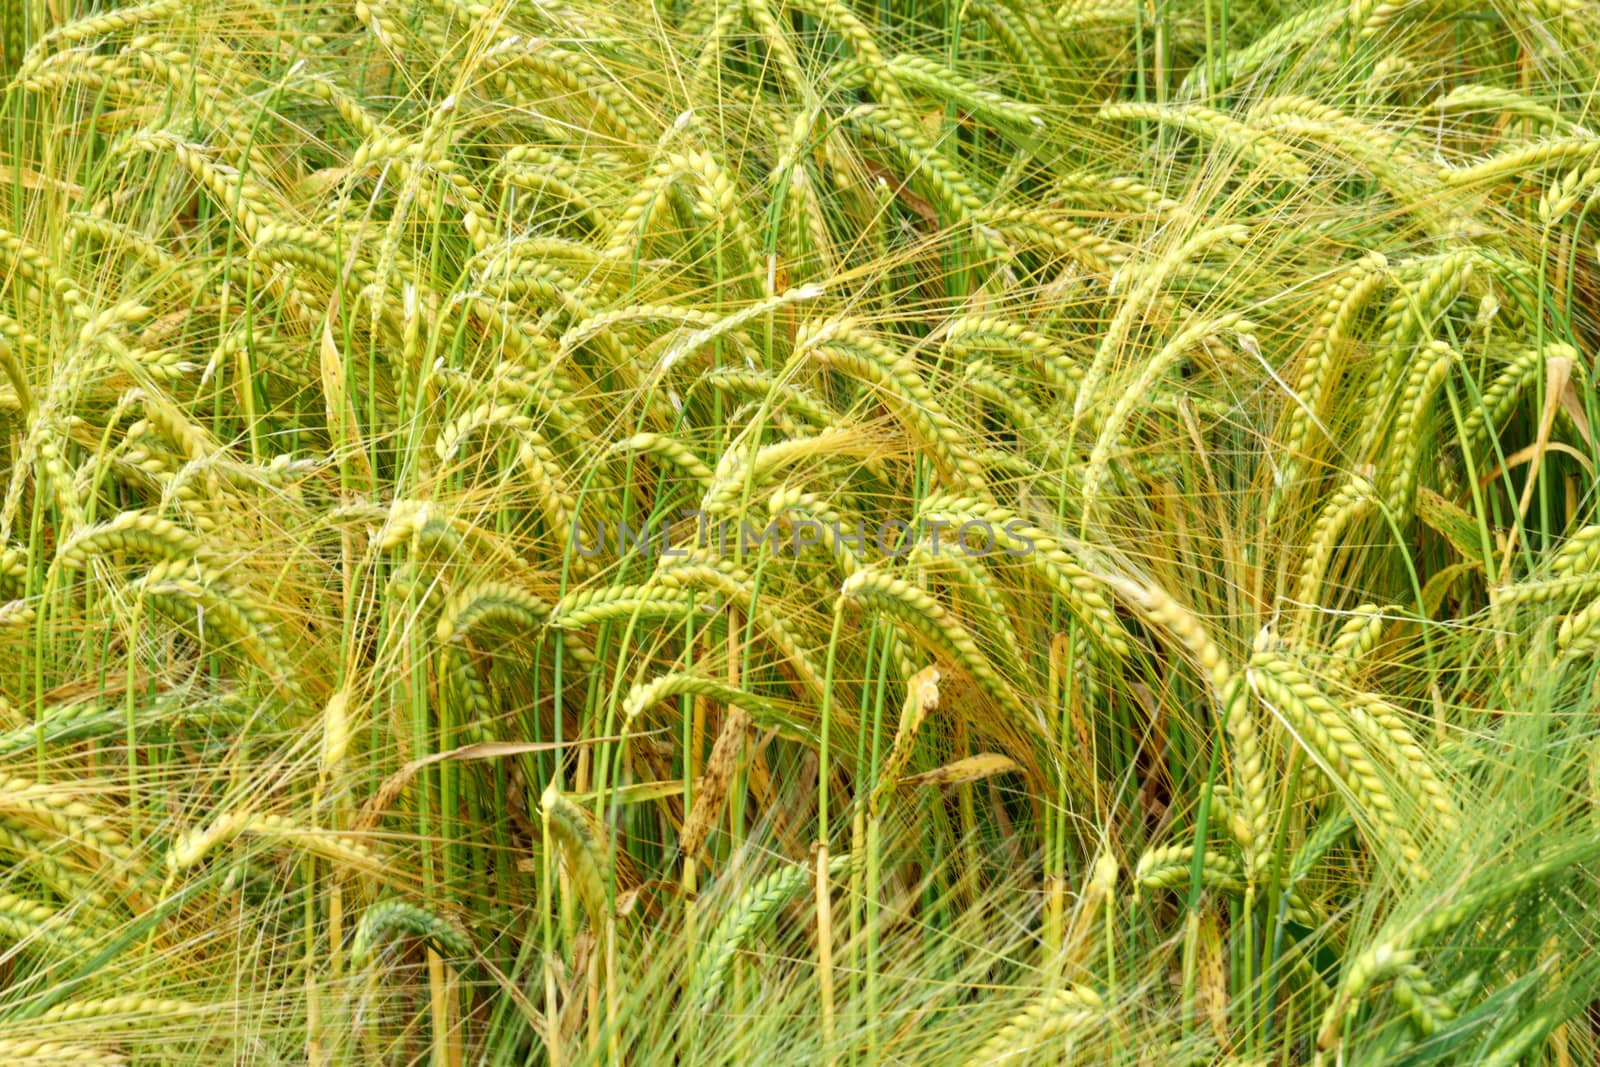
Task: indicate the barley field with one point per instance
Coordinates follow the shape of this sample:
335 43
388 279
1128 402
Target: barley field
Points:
850 532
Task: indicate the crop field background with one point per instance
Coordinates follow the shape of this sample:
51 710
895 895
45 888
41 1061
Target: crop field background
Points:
854 532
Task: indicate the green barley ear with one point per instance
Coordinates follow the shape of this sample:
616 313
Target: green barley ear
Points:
1498 99
926 76
587 608
1379 795
1149 278
1353 501
981 597
943 181
836 14
536 457
987 333
1359 635
17 614
485 604
129 1011
724 576
51 470
1235 701
42 1052
1041 552
1266 151
736 322
1282 40
662 689
35 850
205 601
488 604
39 815
13 569
41 929
584 855
1330 829
927 619
1041 1024
1386 729
346 852
250 205
1398 948
1580 554
843 345
1498 400
1580 632
1559 151
1172 866
137 532
1429 369
757 906
831 524
390 919
79 31
1026 229
1009 398
786 397
1135 394
1306 407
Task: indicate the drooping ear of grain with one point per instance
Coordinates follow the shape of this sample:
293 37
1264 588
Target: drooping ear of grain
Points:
588 532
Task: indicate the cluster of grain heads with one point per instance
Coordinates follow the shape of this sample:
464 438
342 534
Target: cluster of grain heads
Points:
1394 955
515 479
